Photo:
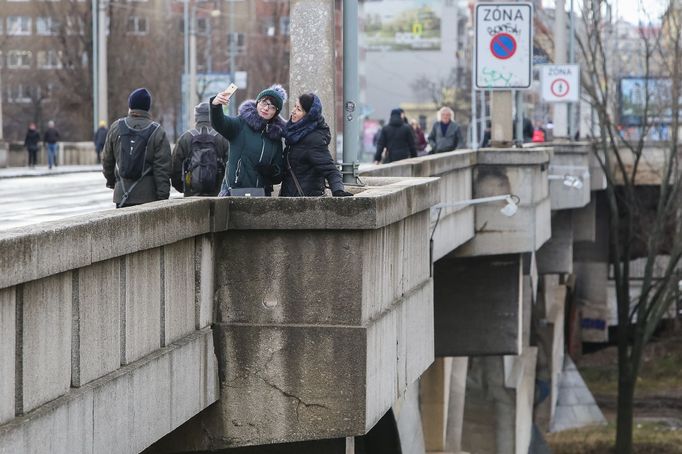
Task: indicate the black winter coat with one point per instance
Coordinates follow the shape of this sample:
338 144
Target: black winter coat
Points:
398 139
309 160
32 139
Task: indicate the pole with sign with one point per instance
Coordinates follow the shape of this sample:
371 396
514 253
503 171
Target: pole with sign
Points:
560 83
503 59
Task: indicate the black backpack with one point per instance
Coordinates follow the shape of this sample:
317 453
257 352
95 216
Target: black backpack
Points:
133 143
201 168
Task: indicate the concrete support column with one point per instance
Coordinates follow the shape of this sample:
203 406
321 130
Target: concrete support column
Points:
434 397
501 111
312 59
560 109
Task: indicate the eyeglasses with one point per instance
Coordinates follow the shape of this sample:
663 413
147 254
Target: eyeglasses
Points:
268 104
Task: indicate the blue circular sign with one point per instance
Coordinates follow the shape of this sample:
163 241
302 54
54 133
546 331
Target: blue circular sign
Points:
503 46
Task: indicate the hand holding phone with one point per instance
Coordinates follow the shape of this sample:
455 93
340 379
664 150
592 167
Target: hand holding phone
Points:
224 96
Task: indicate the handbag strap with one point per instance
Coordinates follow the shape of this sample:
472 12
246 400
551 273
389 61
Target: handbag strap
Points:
293 175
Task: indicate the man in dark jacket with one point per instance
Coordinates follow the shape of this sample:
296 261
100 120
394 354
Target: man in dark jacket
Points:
398 140
31 143
183 151
100 139
51 137
445 135
154 182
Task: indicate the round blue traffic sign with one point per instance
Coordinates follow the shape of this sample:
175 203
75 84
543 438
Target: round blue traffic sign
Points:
503 46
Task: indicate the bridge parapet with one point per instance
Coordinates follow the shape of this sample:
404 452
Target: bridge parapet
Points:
325 314
105 329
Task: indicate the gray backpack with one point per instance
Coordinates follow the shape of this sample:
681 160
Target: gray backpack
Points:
201 169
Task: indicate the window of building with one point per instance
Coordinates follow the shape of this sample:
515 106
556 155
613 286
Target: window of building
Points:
48 59
46 26
284 25
45 91
19 59
239 40
18 25
18 93
74 25
137 25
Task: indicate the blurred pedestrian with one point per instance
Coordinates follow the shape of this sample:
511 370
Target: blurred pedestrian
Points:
199 157
255 137
396 141
31 143
307 160
100 138
419 137
50 138
445 135
136 159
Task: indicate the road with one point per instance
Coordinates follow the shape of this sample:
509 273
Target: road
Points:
31 200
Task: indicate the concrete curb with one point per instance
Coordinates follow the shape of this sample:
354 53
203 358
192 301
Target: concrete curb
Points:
24 172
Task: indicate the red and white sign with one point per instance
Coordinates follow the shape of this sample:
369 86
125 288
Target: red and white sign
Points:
560 83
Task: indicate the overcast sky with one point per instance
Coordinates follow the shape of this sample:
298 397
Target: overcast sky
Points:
630 10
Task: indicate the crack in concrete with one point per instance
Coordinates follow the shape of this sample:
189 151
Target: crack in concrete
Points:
299 401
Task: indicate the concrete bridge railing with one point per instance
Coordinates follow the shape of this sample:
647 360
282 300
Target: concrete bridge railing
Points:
105 329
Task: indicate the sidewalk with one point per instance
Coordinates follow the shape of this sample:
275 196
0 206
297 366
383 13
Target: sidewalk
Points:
41 171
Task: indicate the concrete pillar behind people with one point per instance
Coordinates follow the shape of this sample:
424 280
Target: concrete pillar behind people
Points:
502 125
312 59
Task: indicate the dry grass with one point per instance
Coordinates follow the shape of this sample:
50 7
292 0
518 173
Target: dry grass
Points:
649 438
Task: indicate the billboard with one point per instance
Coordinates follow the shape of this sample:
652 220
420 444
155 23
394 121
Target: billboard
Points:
399 25
634 93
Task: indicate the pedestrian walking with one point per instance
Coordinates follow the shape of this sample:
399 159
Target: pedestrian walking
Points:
100 138
396 141
50 138
255 137
444 135
307 160
199 157
31 142
136 159
419 138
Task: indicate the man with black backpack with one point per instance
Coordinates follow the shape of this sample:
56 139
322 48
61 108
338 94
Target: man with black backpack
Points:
136 158
199 157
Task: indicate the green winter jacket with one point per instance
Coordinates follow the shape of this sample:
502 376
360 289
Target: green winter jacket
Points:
252 141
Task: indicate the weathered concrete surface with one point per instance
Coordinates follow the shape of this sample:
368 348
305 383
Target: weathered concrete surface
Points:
570 160
204 270
124 411
141 305
548 335
313 57
50 248
45 340
474 297
319 330
556 255
408 421
499 402
179 283
442 392
96 349
522 172
7 355
576 406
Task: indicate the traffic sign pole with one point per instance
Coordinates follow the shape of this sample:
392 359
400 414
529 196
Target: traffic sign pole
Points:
560 109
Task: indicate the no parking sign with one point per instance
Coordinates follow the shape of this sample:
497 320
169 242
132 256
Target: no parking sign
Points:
504 46
560 83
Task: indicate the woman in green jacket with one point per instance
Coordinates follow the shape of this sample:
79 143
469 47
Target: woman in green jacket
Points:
255 136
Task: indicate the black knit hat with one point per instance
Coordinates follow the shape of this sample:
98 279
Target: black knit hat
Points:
306 101
140 99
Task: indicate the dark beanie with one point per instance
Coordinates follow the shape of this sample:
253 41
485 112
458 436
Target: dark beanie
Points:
140 99
306 101
275 92
396 112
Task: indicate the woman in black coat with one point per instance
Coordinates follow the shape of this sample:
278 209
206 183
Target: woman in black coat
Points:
307 161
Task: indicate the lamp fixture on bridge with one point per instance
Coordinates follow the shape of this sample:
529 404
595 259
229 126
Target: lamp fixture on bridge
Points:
508 210
571 181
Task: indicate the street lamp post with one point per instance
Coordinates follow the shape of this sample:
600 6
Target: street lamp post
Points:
192 98
351 91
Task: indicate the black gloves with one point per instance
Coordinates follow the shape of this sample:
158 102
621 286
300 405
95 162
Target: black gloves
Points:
341 193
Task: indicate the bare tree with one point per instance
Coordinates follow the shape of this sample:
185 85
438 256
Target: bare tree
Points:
622 160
